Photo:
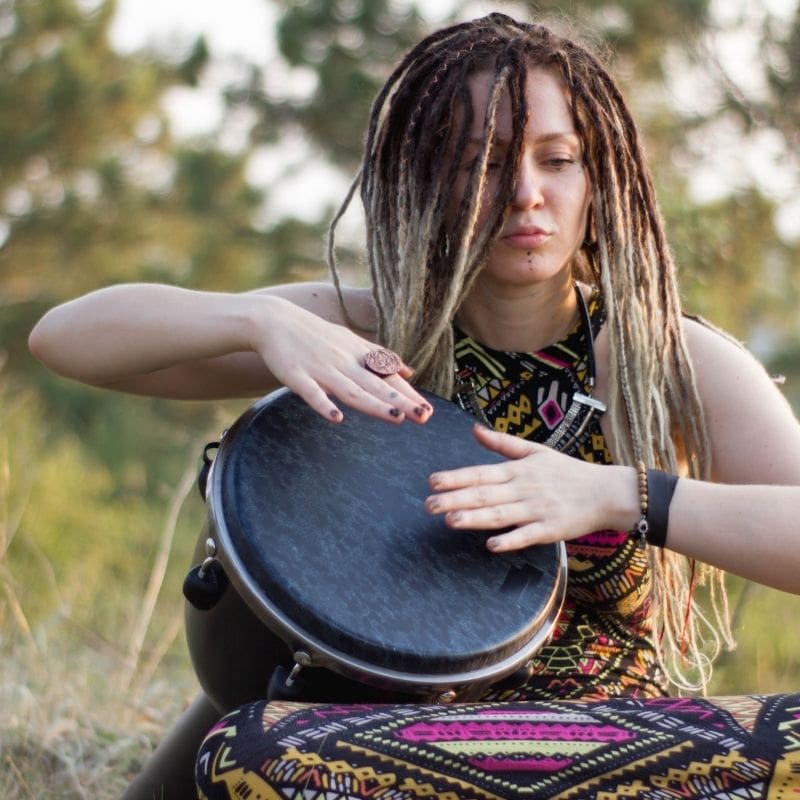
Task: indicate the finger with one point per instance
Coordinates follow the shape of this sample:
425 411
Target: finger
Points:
489 518
356 396
316 398
503 443
473 497
469 476
407 398
406 372
394 391
523 536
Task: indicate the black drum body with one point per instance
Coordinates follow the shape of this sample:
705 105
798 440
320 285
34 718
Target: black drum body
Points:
334 566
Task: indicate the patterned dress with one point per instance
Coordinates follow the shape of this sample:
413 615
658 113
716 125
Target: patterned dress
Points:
602 645
592 721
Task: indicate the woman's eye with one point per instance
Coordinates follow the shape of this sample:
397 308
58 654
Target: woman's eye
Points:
559 163
491 164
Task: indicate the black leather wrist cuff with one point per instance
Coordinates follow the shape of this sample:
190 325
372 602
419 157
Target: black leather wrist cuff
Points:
660 488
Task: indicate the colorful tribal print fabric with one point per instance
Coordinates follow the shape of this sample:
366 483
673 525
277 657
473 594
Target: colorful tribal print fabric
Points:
602 645
657 749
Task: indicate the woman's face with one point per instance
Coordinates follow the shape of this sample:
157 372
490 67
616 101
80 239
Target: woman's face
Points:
547 219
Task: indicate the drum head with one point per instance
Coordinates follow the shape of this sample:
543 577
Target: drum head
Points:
323 530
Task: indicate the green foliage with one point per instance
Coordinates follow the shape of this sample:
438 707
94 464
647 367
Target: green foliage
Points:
637 32
766 658
350 47
731 276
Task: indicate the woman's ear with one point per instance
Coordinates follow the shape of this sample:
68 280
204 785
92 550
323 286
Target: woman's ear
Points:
590 235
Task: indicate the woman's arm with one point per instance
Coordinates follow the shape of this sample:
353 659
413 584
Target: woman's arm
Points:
747 524
166 341
748 520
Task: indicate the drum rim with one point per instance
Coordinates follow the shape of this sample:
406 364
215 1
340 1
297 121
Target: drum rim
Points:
324 655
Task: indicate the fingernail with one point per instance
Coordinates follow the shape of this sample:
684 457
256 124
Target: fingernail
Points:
434 481
394 412
335 413
419 411
454 516
432 504
492 544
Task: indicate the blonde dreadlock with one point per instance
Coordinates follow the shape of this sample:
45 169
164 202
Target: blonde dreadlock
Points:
423 263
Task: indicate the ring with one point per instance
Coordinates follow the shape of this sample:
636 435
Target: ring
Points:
382 362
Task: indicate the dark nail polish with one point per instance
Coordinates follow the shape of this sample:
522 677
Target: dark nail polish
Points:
335 413
394 412
419 411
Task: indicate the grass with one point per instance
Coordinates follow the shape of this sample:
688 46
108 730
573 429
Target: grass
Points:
68 729
81 712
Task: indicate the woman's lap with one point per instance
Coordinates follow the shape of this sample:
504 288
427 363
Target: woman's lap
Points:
737 747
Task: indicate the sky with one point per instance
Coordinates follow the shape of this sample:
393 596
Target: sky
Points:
241 29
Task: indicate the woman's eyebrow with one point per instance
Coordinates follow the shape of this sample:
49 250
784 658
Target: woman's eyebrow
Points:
567 136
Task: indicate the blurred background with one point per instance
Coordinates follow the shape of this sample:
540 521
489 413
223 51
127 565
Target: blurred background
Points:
207 145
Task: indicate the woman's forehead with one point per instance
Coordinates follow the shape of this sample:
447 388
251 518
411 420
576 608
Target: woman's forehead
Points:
547 100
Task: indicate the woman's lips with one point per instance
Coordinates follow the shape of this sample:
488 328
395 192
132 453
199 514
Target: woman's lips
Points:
526 238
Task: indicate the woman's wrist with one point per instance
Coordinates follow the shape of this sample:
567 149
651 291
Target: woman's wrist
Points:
622 498
253 314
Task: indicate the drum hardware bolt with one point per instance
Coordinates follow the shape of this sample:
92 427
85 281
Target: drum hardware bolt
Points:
211 552
302 659
201 573
447 697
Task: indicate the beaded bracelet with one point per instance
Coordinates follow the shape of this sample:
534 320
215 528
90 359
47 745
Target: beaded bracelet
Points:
655 494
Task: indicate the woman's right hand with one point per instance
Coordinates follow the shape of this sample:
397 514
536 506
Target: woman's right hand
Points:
321 360
164 341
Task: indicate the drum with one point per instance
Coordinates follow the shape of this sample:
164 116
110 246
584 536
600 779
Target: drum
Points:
324 562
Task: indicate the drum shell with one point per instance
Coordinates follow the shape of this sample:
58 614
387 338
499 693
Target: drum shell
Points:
237 644
232 651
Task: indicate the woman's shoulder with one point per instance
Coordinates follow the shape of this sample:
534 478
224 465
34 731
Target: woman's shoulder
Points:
755 436
722 365
713 350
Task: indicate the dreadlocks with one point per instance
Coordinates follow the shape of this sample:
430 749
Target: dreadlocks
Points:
423 260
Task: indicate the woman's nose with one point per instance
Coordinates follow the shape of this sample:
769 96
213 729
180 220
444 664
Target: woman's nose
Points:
527 189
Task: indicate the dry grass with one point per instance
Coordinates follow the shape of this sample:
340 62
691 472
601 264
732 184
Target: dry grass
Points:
80 714
67 731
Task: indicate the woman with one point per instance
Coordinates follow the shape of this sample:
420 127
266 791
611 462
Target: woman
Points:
519 264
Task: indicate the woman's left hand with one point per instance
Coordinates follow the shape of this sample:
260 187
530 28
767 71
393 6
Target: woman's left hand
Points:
540 494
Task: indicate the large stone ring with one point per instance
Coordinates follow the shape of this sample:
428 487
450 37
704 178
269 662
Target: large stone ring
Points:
382 362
